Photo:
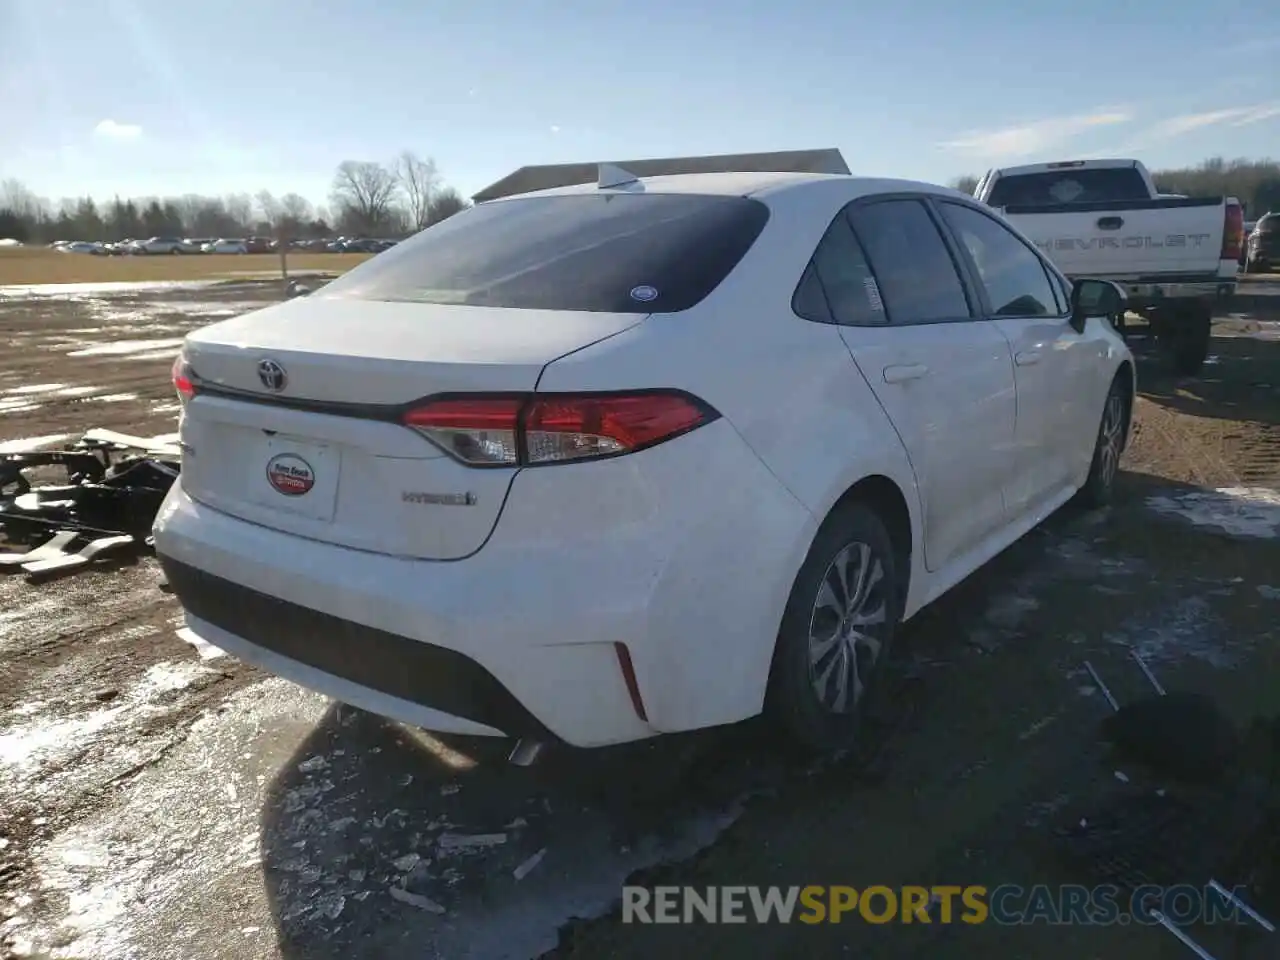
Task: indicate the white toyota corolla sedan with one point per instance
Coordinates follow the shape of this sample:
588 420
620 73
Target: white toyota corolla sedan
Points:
615 460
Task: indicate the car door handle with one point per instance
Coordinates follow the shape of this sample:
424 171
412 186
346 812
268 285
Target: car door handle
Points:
1110 223
900 373
1026 358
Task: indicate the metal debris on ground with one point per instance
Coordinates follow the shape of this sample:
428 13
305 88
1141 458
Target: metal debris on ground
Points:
104 507
468 843
416 900
524 869
1208 817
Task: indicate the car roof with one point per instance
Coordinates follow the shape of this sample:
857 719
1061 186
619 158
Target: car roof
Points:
746 185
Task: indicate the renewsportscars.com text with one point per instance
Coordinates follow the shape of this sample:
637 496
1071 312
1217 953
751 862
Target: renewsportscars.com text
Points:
1007 904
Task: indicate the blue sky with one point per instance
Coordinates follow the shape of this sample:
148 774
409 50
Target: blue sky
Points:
176 96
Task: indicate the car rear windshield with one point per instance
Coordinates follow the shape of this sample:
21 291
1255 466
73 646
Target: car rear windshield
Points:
1102 184
607 252
1268 225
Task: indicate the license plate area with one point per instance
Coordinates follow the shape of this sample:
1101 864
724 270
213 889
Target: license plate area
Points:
296 475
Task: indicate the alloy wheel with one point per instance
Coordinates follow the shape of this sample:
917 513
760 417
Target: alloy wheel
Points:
846 627
1111 438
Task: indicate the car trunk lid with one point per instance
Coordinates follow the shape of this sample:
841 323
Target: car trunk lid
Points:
294 425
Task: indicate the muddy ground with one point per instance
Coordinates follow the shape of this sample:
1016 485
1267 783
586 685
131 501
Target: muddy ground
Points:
161 801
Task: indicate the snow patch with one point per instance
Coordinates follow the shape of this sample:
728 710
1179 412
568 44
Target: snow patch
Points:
27 444
1237 511
128 348
1187 629
17 405
71 290
29 747
33 388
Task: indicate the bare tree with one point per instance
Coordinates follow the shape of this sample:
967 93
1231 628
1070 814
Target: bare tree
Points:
966 184
445 204
269 207
240 209
363 192
295 207
15 196
418 180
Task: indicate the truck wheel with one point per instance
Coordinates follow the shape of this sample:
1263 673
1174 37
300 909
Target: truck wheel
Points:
1185 335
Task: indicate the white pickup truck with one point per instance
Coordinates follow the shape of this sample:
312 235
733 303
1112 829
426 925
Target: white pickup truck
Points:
1173 255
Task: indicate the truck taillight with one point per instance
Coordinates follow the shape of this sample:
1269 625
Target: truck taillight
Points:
183 379
534 429
1232 232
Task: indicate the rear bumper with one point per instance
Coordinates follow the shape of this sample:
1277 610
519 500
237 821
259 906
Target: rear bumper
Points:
458 694
689 575
1153 294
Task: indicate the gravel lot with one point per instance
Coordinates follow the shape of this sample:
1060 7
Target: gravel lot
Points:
158 802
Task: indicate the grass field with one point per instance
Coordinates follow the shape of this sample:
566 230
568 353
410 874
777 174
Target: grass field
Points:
27 265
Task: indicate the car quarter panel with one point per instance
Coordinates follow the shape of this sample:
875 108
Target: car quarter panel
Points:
793 394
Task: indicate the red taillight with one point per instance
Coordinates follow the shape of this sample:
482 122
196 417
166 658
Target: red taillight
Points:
554 428
480 431
1232 232
183 380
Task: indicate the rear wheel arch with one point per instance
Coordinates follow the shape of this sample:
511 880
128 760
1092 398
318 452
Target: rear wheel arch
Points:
873 510
890 504
883 496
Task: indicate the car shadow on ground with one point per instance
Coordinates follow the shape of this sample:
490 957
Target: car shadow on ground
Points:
490 859
382 841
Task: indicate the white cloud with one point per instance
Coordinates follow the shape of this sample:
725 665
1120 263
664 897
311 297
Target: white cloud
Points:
1177 126
1035 137
555 128
111 130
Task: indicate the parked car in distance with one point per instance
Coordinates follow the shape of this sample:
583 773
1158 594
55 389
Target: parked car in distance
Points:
1174 256
258 245
1244 247
1263 248
81 246
616 460
160 245
226 246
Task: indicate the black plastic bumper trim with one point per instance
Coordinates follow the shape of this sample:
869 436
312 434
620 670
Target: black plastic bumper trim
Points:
422 673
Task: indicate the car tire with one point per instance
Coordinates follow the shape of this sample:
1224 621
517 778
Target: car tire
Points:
1113 430
807 708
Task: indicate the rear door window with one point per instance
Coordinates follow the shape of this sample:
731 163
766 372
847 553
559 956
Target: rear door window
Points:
917 280
606 252
1056 187
840 275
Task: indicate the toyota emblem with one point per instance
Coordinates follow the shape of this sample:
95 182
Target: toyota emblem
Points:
272 375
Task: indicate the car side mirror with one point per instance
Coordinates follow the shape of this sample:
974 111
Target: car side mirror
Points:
1096 298
295 289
